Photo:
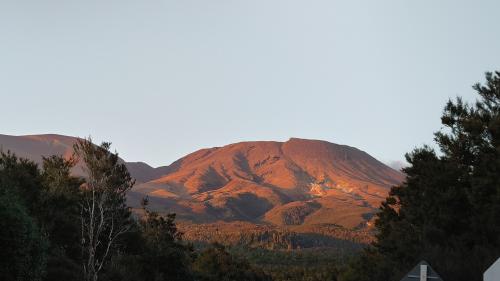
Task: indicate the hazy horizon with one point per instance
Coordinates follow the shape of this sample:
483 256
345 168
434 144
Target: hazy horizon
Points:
161 79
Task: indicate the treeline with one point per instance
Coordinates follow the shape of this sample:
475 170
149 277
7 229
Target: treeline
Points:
311 264
54 226
276 238
447 211
281 253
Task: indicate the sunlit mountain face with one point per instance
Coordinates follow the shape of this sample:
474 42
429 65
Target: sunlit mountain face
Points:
292 183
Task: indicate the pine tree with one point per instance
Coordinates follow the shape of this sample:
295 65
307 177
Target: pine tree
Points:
448 209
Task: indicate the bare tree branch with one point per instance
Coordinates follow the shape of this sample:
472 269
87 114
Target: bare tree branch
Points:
103 206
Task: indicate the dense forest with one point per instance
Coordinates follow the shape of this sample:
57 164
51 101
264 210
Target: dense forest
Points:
55 226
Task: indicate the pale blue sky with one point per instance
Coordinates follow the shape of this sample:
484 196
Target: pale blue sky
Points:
163 78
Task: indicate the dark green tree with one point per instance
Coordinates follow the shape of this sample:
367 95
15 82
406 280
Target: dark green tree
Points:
155 251
165 256
21 178
60 218
448 209
217 264
23 248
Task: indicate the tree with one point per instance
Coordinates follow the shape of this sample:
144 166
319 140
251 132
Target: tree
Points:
165 256
21 178
104 214
60 218
155 251
217 264
448 209
23 248
22 245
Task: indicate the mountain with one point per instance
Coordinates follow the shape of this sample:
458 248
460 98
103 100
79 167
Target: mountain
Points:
34 147
297 182
142 172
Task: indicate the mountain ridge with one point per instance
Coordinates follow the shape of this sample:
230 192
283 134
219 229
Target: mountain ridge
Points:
34 147
294 182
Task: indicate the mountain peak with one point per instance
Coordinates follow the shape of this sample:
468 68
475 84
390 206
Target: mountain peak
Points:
270 181
299 181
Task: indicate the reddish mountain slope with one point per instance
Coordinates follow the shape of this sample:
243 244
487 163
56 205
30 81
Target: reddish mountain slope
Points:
282 183
298 182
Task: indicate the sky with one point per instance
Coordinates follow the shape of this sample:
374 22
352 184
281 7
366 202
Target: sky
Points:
160 79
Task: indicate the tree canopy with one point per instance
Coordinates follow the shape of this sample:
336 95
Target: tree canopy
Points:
447 211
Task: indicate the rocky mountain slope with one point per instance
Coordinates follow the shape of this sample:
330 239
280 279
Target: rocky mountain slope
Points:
294 183
298 182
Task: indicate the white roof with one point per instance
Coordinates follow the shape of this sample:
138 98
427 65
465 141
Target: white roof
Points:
493 273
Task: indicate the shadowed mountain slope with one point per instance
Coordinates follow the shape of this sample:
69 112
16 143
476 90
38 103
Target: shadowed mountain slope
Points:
34 147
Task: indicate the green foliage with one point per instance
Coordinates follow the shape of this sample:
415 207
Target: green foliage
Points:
448 210
60 218
61 266
217 264
271 237
165 256
312 264
21 178
49 204
105 216
327 272
154 252
23 248
60 204
125 267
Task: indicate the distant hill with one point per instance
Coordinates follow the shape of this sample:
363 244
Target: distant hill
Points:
34 147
